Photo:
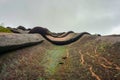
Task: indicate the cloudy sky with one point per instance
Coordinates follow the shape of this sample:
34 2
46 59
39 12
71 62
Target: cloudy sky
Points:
94 16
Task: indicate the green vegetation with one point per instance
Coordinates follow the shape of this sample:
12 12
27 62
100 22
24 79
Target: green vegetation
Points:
40 79
2 29
52 58
103 46
86 59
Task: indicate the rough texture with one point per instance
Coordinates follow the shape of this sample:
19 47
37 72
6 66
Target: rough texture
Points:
20 31
8 40
63 40
67 39
89 58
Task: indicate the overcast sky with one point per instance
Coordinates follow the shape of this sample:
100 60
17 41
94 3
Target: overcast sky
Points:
94 16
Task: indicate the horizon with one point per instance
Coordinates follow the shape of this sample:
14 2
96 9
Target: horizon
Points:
101 17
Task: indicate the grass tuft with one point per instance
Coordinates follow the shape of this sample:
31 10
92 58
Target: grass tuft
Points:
2 29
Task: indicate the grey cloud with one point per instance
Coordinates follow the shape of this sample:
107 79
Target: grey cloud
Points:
95 16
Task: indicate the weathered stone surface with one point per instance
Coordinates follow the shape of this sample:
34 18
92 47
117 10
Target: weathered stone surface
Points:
20 31
21 27
89 58
9 41
40 30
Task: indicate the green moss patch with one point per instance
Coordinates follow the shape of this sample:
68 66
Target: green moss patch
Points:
2 29
52 58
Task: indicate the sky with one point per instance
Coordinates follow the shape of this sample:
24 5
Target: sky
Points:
94 16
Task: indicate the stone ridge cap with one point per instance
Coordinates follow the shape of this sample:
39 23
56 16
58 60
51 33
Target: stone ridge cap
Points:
7 39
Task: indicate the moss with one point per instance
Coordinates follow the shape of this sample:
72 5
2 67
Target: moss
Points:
40 79
2 29
103 46
52 59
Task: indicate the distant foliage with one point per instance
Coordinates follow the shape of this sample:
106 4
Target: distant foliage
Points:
2 29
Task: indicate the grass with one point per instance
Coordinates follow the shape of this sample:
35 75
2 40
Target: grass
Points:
2 29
